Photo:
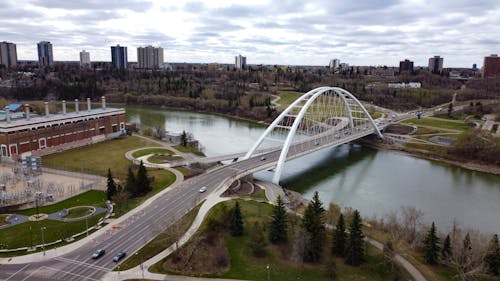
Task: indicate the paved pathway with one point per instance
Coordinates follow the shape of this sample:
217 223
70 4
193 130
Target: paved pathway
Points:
59 216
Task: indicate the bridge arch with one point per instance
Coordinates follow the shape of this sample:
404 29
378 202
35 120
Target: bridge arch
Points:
321 112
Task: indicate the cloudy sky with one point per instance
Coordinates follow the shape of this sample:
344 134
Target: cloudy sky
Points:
359 32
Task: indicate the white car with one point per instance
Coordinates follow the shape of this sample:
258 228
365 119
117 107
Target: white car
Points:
203 189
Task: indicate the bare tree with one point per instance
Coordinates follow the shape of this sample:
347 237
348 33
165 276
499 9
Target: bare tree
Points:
412 221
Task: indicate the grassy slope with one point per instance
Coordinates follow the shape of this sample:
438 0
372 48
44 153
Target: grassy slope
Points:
78 212
438 123
97 158
189 150
245 266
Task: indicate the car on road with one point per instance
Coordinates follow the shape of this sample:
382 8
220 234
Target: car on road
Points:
203 189
262 158
119 256
99 253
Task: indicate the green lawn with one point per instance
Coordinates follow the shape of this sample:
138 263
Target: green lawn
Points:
163 179
286 98
2 219
187 149
243 265
438 123
89 198
97 158
162 241
78 212
185 171
147 151
19 235
162 158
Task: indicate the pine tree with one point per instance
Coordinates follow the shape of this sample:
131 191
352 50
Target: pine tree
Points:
111 190
236 222
184 138
142 181
130 184
492 258
355 248
431 246
257 241
278 226
313 223
446 251
339 237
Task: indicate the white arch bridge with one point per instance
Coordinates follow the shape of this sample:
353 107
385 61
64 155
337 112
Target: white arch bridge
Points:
323 117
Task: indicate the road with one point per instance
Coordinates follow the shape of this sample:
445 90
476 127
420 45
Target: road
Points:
133 233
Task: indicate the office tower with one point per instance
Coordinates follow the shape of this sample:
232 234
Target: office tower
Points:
240 62
45 55
335 63
491 66
149 57
8 54
406 65
119 57
436 64
84 59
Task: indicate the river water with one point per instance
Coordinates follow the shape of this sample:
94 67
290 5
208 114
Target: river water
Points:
373 181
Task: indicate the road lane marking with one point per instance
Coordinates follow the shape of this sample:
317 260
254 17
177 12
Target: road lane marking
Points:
17 272
70 273
93 266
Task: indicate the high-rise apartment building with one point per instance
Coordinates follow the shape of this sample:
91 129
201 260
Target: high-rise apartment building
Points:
334 64
149 57
436 64
8 54
84 59
45 54
406 65
119 57
240 62
491 66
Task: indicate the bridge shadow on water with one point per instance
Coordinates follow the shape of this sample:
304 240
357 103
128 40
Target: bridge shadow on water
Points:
303 173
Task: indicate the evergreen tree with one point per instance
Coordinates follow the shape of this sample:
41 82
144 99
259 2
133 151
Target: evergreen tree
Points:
431 246
492 258
111 190
236 222
278 226
313 223
130 184
257 241
446 251
339 237
142 181
355 248
450 109
184 138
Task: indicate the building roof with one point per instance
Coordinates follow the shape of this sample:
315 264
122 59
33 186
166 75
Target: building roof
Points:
14 106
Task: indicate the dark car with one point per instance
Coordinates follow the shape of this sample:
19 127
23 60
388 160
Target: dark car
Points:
119 256
99 253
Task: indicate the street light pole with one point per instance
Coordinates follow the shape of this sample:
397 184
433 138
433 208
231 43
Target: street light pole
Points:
87 225
43 239
31 238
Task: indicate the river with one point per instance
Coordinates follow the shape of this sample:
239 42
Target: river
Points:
373 181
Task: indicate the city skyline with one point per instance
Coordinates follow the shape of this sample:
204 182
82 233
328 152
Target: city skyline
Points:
379 32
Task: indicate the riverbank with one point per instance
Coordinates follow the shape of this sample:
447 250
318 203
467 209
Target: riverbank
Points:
424 154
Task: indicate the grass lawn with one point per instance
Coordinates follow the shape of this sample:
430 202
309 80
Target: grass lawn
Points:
97 158
185 171
187 149
163 179
162 241
89 198
244 265
286 98
2 219
19 235
78 212
438 123
147 151
162 158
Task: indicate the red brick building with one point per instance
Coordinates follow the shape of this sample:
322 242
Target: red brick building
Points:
42 135
491 66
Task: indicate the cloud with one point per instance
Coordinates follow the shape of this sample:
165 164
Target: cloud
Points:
379 32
